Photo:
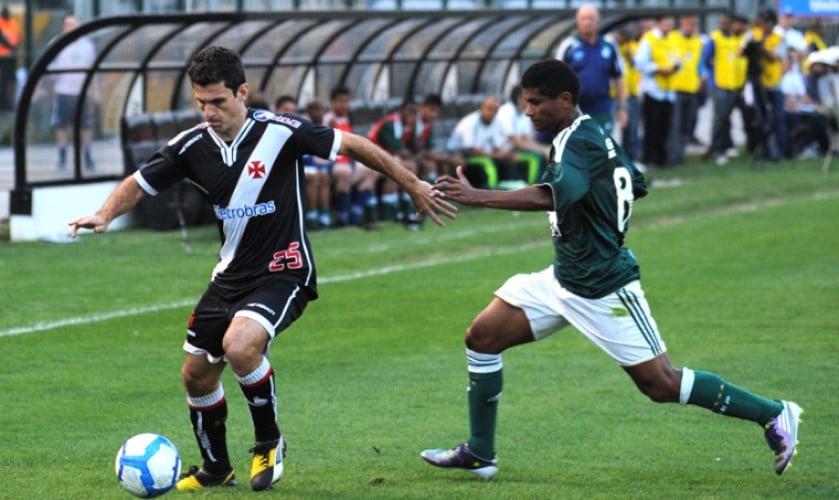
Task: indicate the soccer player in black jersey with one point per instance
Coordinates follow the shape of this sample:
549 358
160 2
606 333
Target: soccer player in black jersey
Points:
248 164
594 283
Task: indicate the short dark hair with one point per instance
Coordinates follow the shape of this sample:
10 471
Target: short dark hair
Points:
739 18
339 91
550 78
433 100
515 93
217 65
408 101
284 99
767 14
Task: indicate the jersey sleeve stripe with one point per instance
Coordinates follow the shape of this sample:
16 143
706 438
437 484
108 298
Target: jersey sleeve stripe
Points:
336 144
138 176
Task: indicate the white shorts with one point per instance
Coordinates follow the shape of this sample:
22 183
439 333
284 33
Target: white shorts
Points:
619 323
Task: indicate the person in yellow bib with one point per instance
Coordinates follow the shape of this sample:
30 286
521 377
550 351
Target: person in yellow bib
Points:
658 61
813 37
728 73
765 49
627 38
687 84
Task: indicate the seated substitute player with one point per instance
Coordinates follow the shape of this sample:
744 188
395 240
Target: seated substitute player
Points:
396 134
318 182
347 174
593 284
432 162
247 162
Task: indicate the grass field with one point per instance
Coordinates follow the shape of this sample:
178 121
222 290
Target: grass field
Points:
740 268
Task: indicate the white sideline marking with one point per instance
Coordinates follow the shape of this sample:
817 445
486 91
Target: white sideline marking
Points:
134 311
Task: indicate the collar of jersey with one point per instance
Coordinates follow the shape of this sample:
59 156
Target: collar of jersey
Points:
230 152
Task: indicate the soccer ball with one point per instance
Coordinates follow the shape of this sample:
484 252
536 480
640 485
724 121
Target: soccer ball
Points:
148 465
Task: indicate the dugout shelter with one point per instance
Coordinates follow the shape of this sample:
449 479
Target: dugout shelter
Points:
138 93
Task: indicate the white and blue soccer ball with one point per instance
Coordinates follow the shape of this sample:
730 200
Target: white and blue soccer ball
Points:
148 465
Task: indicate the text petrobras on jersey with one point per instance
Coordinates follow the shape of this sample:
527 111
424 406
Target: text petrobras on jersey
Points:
227 213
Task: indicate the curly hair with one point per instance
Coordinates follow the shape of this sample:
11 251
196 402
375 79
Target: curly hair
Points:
551 78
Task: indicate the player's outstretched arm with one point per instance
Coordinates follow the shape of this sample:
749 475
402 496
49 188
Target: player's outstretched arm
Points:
123 199
423 195
461 190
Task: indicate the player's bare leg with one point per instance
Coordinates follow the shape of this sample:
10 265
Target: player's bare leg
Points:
61 135
322 197
662 383
657 379
87 141
313 180
413 220
342 176
498 327
245 343
364 203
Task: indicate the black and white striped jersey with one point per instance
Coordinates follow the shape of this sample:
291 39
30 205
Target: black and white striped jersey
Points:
256 187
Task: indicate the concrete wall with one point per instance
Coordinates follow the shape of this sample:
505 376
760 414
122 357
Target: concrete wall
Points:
53 207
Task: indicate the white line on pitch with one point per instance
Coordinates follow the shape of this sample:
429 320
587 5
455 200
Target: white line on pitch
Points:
121 313
134 311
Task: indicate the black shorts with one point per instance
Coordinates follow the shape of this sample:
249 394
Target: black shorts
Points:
64 111
275 305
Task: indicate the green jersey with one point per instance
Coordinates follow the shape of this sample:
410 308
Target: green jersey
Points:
594 184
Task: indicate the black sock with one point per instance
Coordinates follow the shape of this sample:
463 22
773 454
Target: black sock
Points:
208 424
258 388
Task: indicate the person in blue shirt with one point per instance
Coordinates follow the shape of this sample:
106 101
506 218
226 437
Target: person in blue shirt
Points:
598 65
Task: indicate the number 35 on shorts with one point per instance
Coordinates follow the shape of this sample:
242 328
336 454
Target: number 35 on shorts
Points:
287 259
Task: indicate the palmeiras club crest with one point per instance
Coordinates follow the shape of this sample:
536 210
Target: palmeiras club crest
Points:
256 169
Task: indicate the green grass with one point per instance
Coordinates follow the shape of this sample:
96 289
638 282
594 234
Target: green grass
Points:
739 268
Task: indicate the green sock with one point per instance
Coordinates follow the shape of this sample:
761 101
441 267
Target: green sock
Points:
484 392
712 392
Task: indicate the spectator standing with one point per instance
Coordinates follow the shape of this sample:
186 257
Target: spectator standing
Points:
793 38
769 49
597 62
658 61
9 42
813 36
728 73
67 89
813 40
687 85
627 38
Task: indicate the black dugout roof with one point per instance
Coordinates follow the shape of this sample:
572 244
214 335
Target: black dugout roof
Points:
383 55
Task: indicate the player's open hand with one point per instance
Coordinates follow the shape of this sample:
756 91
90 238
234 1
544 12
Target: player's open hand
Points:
95 222
430 203
456 189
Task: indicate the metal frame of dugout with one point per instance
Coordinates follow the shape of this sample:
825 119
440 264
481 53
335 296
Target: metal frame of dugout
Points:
384 56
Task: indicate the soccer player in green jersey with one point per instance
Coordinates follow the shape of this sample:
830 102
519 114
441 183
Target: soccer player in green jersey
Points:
588 190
